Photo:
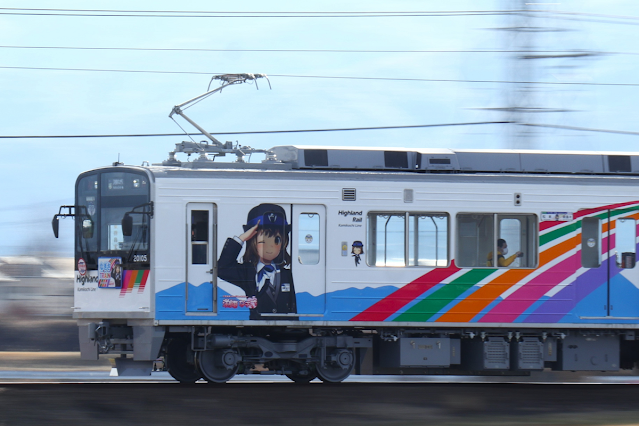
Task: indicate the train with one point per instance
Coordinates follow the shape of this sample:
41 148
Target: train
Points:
376 261
322 262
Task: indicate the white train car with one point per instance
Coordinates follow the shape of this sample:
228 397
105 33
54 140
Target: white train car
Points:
325 261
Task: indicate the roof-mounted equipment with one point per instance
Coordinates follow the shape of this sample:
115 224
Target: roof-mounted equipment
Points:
215 147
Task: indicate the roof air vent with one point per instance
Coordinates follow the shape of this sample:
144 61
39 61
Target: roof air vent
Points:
619 164
316 158
348 194
396 159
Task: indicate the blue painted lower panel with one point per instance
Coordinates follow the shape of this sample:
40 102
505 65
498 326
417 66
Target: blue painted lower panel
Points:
341 305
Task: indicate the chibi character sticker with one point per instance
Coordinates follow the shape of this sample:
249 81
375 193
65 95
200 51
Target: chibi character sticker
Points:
264 273
357 250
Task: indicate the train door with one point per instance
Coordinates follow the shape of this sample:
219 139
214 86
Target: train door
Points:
309 258
609 247
623 275
201 257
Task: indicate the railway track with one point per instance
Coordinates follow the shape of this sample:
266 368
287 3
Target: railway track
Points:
342 404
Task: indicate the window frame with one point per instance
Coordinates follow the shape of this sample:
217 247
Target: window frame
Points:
620 243
371 241
531 241
98 246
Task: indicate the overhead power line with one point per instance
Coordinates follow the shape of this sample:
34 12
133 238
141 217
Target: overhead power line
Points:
319 13
435 80
105 13
581 129
372 12
178 49
346 129
234 14
593 15
304 14
445 80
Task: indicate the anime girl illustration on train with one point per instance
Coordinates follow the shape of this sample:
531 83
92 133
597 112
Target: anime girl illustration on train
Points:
264 273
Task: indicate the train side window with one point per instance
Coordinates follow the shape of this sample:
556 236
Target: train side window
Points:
89 209
590 242
475 239
386 239
199 237
520 234
626 243
407 239
308 238
428 239
479 235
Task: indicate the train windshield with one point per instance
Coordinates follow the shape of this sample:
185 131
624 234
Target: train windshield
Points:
103 198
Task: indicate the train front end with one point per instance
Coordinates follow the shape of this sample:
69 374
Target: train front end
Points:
113 300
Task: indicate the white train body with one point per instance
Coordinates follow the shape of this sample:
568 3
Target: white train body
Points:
389 249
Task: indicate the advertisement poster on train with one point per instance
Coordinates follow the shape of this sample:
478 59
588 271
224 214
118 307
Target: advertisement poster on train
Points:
109 272
264 272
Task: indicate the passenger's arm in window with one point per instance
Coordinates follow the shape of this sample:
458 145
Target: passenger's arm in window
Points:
503 261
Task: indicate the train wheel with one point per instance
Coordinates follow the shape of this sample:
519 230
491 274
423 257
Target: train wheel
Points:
218 366
337 366
303 375
177 362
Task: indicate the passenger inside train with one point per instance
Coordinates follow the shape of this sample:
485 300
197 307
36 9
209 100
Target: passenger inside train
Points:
502 251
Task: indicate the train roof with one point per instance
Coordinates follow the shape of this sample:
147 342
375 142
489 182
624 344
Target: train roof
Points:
291 157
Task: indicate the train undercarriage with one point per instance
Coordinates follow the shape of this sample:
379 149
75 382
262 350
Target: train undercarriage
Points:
217 354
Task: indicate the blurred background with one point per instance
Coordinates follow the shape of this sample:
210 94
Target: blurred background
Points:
84 88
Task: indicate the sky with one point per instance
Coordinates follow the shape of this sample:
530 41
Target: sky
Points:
422 63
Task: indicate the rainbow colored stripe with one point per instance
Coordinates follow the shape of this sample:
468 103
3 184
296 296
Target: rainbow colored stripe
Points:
498 295
132 280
